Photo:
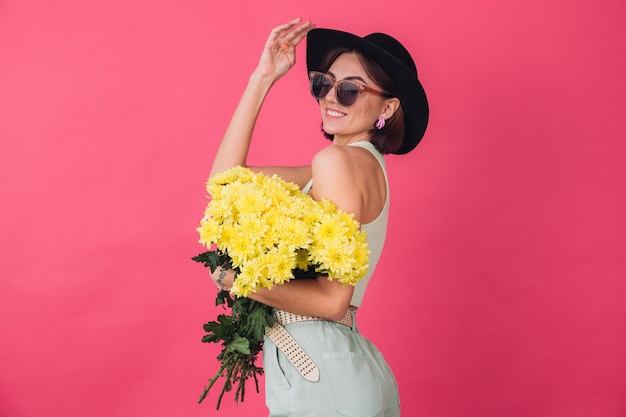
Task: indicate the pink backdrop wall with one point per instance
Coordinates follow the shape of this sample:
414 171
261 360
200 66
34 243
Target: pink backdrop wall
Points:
502 288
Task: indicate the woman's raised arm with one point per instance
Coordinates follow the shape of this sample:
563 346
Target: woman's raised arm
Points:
277 58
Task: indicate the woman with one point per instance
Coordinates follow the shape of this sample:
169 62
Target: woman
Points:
371 103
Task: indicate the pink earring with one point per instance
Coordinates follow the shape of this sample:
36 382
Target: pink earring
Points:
380 123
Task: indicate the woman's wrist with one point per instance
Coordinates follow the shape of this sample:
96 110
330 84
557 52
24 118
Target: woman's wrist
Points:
260 80
224 279
220 279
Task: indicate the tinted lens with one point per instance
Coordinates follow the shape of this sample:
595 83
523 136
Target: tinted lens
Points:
347 92
320 85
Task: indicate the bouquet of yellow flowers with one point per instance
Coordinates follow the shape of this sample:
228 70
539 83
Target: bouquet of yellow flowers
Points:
268 232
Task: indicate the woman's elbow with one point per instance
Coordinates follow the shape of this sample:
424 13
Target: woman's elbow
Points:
335 298
338 305
338 313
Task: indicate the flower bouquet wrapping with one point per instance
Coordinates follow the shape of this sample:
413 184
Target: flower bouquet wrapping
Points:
269 233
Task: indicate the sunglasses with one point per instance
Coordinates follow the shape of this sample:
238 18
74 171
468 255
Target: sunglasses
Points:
346 91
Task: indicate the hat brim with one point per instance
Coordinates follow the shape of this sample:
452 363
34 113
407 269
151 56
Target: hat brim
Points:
410 91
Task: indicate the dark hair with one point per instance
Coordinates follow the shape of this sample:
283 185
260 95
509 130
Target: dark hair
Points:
389 138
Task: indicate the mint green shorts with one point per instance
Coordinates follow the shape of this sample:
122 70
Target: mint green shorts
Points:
355 380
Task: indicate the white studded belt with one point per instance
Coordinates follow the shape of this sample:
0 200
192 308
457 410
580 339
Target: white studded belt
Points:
292 350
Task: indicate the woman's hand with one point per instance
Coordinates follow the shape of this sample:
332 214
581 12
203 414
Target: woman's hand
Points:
279 54
223 278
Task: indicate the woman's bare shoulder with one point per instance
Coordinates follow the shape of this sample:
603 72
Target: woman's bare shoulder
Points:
352 178
335 177
336 156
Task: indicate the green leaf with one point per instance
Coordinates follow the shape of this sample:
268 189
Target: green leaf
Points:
256 322
212 259
223 329
239 344
224 298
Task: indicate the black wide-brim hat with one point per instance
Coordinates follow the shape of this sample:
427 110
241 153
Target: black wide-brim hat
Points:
397 63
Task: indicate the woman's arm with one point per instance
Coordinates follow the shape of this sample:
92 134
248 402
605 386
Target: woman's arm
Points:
334 178
277 58
317 297
299 175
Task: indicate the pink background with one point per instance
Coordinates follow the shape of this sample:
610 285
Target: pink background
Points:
502 289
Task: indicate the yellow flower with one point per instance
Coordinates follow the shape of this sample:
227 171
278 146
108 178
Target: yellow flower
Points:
247 281
241 249
227 234
302 259
251 200
334 258
360 254
313 215
292 233
281 262
251 226
330 229
209 232
219 209
231 175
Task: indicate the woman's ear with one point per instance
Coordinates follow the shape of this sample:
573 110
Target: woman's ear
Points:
390 107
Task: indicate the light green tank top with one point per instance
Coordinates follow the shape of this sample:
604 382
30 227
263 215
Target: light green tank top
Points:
376 230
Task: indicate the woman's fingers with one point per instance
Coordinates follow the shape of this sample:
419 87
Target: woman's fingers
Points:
295 36
279 31
290 33
286 26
